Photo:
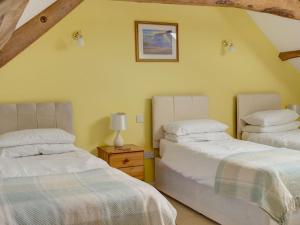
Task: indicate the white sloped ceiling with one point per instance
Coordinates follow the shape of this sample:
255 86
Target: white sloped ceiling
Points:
282 32
33 8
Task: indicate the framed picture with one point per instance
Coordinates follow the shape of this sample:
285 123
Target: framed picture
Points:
156 42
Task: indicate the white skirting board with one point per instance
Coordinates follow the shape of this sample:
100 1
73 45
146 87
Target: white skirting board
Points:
201 198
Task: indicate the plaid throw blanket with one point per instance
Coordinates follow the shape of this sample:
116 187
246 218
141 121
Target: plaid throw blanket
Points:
96 197
271 179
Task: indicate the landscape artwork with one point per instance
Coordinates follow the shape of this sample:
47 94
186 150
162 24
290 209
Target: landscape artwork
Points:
156 42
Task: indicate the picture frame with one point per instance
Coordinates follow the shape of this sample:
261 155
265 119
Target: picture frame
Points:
156 42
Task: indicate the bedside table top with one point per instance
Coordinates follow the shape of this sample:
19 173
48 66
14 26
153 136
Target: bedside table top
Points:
124 149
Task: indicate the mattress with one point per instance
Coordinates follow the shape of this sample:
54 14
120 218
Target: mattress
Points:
288 139
200 160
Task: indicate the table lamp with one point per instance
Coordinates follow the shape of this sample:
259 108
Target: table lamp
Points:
118 123
294 107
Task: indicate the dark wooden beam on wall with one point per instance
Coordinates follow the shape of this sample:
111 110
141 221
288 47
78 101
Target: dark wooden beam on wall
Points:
35 28
285 8
289 55
10 13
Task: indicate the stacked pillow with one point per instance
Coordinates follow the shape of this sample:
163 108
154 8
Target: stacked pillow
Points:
271 121
36 142
195 131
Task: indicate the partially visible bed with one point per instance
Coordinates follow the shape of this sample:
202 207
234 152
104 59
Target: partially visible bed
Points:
70 187
187 171
251 103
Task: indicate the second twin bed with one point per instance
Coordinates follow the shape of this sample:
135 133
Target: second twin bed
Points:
231 181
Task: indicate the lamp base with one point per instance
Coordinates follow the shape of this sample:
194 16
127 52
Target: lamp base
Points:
118 141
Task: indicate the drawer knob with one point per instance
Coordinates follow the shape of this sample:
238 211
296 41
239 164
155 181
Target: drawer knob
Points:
125 161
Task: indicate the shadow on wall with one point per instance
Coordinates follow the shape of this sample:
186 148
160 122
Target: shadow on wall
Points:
101 127
234 117
148 124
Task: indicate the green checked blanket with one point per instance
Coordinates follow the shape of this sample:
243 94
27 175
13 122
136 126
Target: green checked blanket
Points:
270 179
96 197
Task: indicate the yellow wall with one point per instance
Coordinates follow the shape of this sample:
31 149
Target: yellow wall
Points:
103 77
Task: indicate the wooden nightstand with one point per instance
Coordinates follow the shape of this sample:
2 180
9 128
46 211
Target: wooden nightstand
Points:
129 159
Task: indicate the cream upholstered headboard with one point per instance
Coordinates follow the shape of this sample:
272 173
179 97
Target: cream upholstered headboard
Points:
250 103
166 109
36 115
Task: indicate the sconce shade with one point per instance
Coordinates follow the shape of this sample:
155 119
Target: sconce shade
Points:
231 48
119 121
81 42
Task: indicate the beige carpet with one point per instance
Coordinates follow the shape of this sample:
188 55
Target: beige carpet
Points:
187 216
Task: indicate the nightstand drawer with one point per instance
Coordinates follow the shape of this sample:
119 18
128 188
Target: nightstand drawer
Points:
136 171
126 159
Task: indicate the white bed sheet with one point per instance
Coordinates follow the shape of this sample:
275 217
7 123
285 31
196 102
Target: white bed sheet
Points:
200 160
288 139
70 162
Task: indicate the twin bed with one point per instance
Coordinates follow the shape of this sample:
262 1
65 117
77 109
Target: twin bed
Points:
251 103
69 188
218 178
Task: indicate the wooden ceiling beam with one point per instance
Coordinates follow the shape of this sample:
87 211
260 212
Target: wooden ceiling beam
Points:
10 13
289 55
35 28
284 8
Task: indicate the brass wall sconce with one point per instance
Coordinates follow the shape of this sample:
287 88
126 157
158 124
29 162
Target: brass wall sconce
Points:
78 37
228 46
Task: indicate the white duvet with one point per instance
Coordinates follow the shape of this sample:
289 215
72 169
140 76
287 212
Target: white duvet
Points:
200 160
55 189
287 139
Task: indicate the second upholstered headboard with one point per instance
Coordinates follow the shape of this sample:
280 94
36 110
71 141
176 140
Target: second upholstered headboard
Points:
166 109
36 115
251 103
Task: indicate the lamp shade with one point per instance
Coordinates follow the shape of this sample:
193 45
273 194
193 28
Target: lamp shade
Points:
118 121
294 107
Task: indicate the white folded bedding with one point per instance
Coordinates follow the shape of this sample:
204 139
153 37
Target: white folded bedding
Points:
37 149
185 127
272 129
287 139
213 136
71 162
200 160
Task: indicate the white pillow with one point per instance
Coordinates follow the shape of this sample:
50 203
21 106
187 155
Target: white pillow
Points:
272 129
271 117
194 126
39 149
214 136
36 136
